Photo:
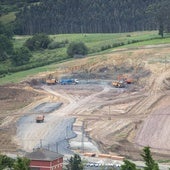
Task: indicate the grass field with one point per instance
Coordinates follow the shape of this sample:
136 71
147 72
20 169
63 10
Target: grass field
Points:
94 42
19 76
8 18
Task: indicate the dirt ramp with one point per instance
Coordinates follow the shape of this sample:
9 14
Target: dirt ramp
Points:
155 131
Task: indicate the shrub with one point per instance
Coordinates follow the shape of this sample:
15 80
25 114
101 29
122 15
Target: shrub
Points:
21 56
38 41
54 45
6 47
77 48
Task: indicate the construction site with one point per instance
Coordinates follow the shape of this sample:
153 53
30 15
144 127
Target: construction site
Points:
111 104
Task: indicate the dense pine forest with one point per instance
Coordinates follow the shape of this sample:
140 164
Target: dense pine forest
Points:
90 16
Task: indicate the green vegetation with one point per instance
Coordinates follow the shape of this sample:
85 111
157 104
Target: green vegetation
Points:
77 48
86 16
10 17
18 164
37 42
150 163
6 162
22 75
75 163
128 166
21 56
21 163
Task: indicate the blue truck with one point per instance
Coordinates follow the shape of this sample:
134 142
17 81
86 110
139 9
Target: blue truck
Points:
68 81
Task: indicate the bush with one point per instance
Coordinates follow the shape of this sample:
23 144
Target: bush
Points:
54 45
6 47
77 48
105 47
21 56
37 42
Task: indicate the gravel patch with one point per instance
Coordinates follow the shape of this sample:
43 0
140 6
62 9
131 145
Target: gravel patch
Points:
46 107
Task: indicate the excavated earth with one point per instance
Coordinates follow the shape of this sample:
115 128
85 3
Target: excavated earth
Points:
119 121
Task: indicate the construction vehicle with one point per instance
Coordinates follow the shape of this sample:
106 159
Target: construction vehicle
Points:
122 80
125 78
118 84
68 81
40 119
129 80
51 81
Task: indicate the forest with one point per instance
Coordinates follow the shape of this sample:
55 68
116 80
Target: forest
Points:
91 16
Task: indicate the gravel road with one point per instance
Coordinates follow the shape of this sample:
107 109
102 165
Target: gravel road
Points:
57 129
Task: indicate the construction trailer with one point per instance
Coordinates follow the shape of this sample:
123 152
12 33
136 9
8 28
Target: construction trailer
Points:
68 81
40 119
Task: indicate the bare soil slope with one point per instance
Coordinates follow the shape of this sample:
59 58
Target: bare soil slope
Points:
119 120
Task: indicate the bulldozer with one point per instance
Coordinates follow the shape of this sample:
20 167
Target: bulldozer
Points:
51 81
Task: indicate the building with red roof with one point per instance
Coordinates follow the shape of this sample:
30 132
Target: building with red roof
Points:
42 159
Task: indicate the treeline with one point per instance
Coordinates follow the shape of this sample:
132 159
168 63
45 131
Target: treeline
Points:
87 16
7 6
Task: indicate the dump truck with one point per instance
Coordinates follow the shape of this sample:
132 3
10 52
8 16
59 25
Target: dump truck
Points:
40 119
68 81
125 78
129 80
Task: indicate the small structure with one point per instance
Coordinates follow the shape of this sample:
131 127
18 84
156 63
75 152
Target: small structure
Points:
42 159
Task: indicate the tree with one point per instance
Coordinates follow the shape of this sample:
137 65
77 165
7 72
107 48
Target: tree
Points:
21 164
149 162
77 48
128 166
160 11
6 47
6 162
6 30
21 56
75 163
38 41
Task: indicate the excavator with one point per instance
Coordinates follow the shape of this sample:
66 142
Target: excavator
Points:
121 81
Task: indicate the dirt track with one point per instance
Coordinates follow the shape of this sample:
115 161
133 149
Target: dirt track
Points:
120 121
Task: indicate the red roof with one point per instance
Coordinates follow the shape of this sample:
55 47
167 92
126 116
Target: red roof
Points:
43 154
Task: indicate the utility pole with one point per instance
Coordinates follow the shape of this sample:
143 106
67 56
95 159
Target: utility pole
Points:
57 147
82 139
165 62
40 143
67 130
109 117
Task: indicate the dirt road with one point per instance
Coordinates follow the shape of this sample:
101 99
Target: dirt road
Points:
57 127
